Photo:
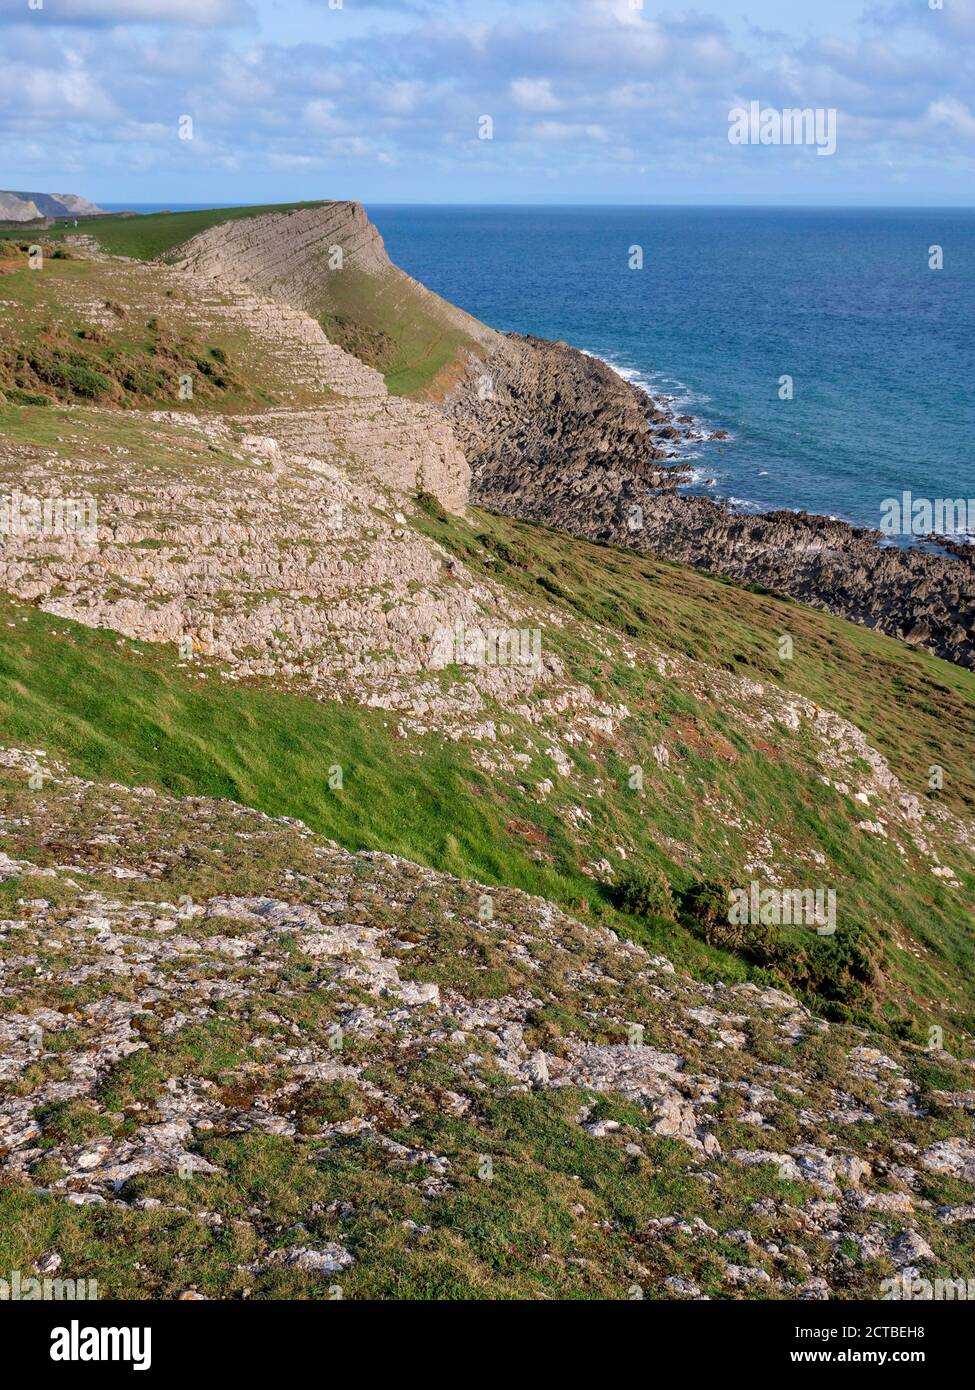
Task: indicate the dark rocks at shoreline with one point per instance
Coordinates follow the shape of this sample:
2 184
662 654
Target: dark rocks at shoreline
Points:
543 409
555 436
922 598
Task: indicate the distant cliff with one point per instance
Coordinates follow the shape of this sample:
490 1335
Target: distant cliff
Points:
32 207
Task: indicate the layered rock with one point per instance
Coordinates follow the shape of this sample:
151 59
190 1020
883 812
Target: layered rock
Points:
299 258
406 445
273 544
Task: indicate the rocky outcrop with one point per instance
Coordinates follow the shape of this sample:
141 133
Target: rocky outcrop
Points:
291 560
292 335
919 596
277 268
288 251
541 418
300 258
556 436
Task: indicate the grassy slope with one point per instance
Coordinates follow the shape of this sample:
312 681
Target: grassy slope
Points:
917 709
386 319
414 345
146 340
130 713
146 237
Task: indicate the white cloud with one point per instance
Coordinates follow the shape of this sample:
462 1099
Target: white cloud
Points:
319 116
568 130
953 114
534 94
202 13
44 92
401 98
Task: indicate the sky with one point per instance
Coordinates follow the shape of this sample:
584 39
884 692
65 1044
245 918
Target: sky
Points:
390 101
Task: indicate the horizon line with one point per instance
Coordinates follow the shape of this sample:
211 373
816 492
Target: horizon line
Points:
379 202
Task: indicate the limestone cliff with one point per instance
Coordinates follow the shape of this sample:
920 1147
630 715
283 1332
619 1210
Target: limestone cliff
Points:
274 267
330 261
29 207
14 208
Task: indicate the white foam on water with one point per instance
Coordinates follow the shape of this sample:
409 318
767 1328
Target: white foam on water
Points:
679 399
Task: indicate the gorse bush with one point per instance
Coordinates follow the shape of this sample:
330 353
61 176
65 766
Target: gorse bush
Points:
643 892
71 374
706 904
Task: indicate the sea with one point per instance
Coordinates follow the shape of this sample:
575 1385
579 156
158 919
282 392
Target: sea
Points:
834 346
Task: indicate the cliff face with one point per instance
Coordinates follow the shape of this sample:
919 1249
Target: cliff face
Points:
330 261
287 253
29 207
281 267
554 435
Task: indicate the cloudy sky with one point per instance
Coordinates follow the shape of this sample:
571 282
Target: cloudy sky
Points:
591 100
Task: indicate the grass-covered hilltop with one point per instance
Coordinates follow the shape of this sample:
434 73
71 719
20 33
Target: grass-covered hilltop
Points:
369 829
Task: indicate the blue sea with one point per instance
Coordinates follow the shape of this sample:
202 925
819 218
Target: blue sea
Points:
880 348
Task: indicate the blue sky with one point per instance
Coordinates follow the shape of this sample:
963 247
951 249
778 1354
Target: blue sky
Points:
600 101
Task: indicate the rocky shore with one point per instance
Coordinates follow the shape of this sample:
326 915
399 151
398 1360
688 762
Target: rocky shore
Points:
556 436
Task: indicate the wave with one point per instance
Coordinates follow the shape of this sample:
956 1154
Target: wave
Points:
674 396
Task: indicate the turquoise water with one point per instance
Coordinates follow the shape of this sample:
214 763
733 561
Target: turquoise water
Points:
881 348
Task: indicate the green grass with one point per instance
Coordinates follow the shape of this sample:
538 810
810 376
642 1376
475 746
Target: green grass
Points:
127 712
152 235
418 334
558 1212
915 708
143 344
131 714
